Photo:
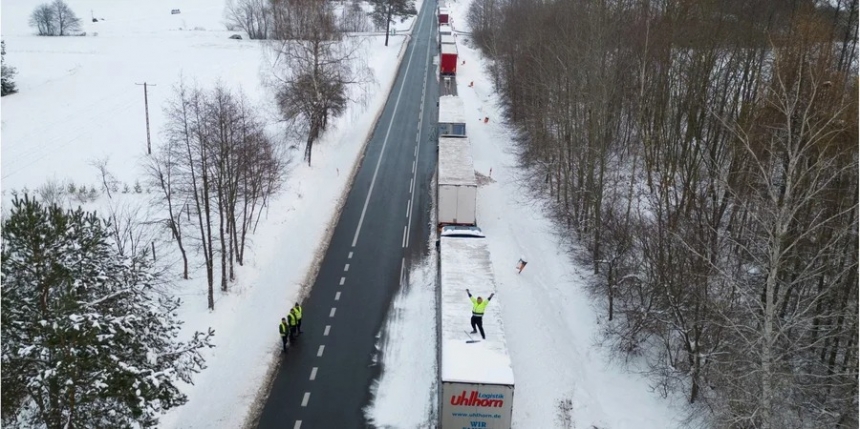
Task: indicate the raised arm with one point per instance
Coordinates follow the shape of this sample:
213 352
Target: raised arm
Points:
468 293
491 296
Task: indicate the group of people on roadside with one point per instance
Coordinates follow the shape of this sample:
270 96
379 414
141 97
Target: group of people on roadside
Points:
291 326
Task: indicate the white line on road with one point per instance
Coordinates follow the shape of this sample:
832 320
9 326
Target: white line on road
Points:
350 256
403 243
342 280
337 296
314 373
416 146
420 121
346 267
298 424
320 351
385 140
327 330
402 269
331 313
410 186
408 204
306 398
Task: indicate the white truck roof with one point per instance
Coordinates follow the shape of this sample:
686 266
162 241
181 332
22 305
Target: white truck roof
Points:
451 109
448 48
445 29
447 39
455 162
465 264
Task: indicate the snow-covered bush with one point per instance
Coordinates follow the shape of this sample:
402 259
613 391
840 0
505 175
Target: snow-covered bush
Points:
86 341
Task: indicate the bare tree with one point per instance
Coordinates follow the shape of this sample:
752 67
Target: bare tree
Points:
252 16
163 172
312 76
55 19
384 12
353 18
43 20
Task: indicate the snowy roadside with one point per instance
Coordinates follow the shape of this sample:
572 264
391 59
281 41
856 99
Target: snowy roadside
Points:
281 262
408 364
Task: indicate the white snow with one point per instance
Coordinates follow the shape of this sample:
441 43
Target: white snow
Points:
451 110
455 162
465 264
403 370
78 101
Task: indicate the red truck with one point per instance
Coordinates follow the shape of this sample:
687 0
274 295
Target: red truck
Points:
443 15
448 60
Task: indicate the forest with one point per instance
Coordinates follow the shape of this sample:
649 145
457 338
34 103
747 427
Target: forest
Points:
701 156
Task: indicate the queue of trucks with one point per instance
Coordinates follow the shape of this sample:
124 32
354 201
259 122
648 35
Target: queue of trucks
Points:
476 380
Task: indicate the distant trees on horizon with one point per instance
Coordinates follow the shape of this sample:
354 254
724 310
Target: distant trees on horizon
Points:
55 19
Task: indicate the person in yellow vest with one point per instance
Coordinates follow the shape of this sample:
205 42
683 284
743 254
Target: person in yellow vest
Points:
478 307
292 321
298 312
284 330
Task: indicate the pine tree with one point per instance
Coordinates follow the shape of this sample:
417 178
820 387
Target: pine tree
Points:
87 342
7 73
384 12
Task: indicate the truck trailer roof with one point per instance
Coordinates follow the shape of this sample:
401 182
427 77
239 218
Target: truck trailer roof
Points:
465 264
451 109
455 162
449 49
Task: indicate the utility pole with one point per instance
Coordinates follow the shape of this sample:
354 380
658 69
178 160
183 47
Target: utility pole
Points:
146 107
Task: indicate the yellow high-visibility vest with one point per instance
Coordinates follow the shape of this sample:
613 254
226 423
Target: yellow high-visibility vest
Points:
478 308
298 311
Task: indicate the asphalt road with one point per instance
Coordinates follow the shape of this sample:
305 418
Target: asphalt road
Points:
324 380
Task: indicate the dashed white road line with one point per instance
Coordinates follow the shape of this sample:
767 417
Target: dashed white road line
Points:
403 243
337 296
331 313
350 256
306 398
346 267
342 280
385 140
314 373
407 208
325 333
320 351
298 424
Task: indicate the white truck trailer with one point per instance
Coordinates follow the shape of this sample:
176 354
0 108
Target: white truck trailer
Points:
452 116
475 375
456 185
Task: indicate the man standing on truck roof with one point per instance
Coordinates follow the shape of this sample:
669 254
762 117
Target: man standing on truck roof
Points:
284 329
478 307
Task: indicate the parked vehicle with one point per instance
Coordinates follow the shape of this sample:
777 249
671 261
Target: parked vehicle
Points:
443 15
475 375
452 117
457 187
448 60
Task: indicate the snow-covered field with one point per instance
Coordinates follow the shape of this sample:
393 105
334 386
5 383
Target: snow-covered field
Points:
550 322
78 102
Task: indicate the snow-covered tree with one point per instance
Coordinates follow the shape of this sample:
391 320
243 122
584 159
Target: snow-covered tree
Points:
87 341
8 73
